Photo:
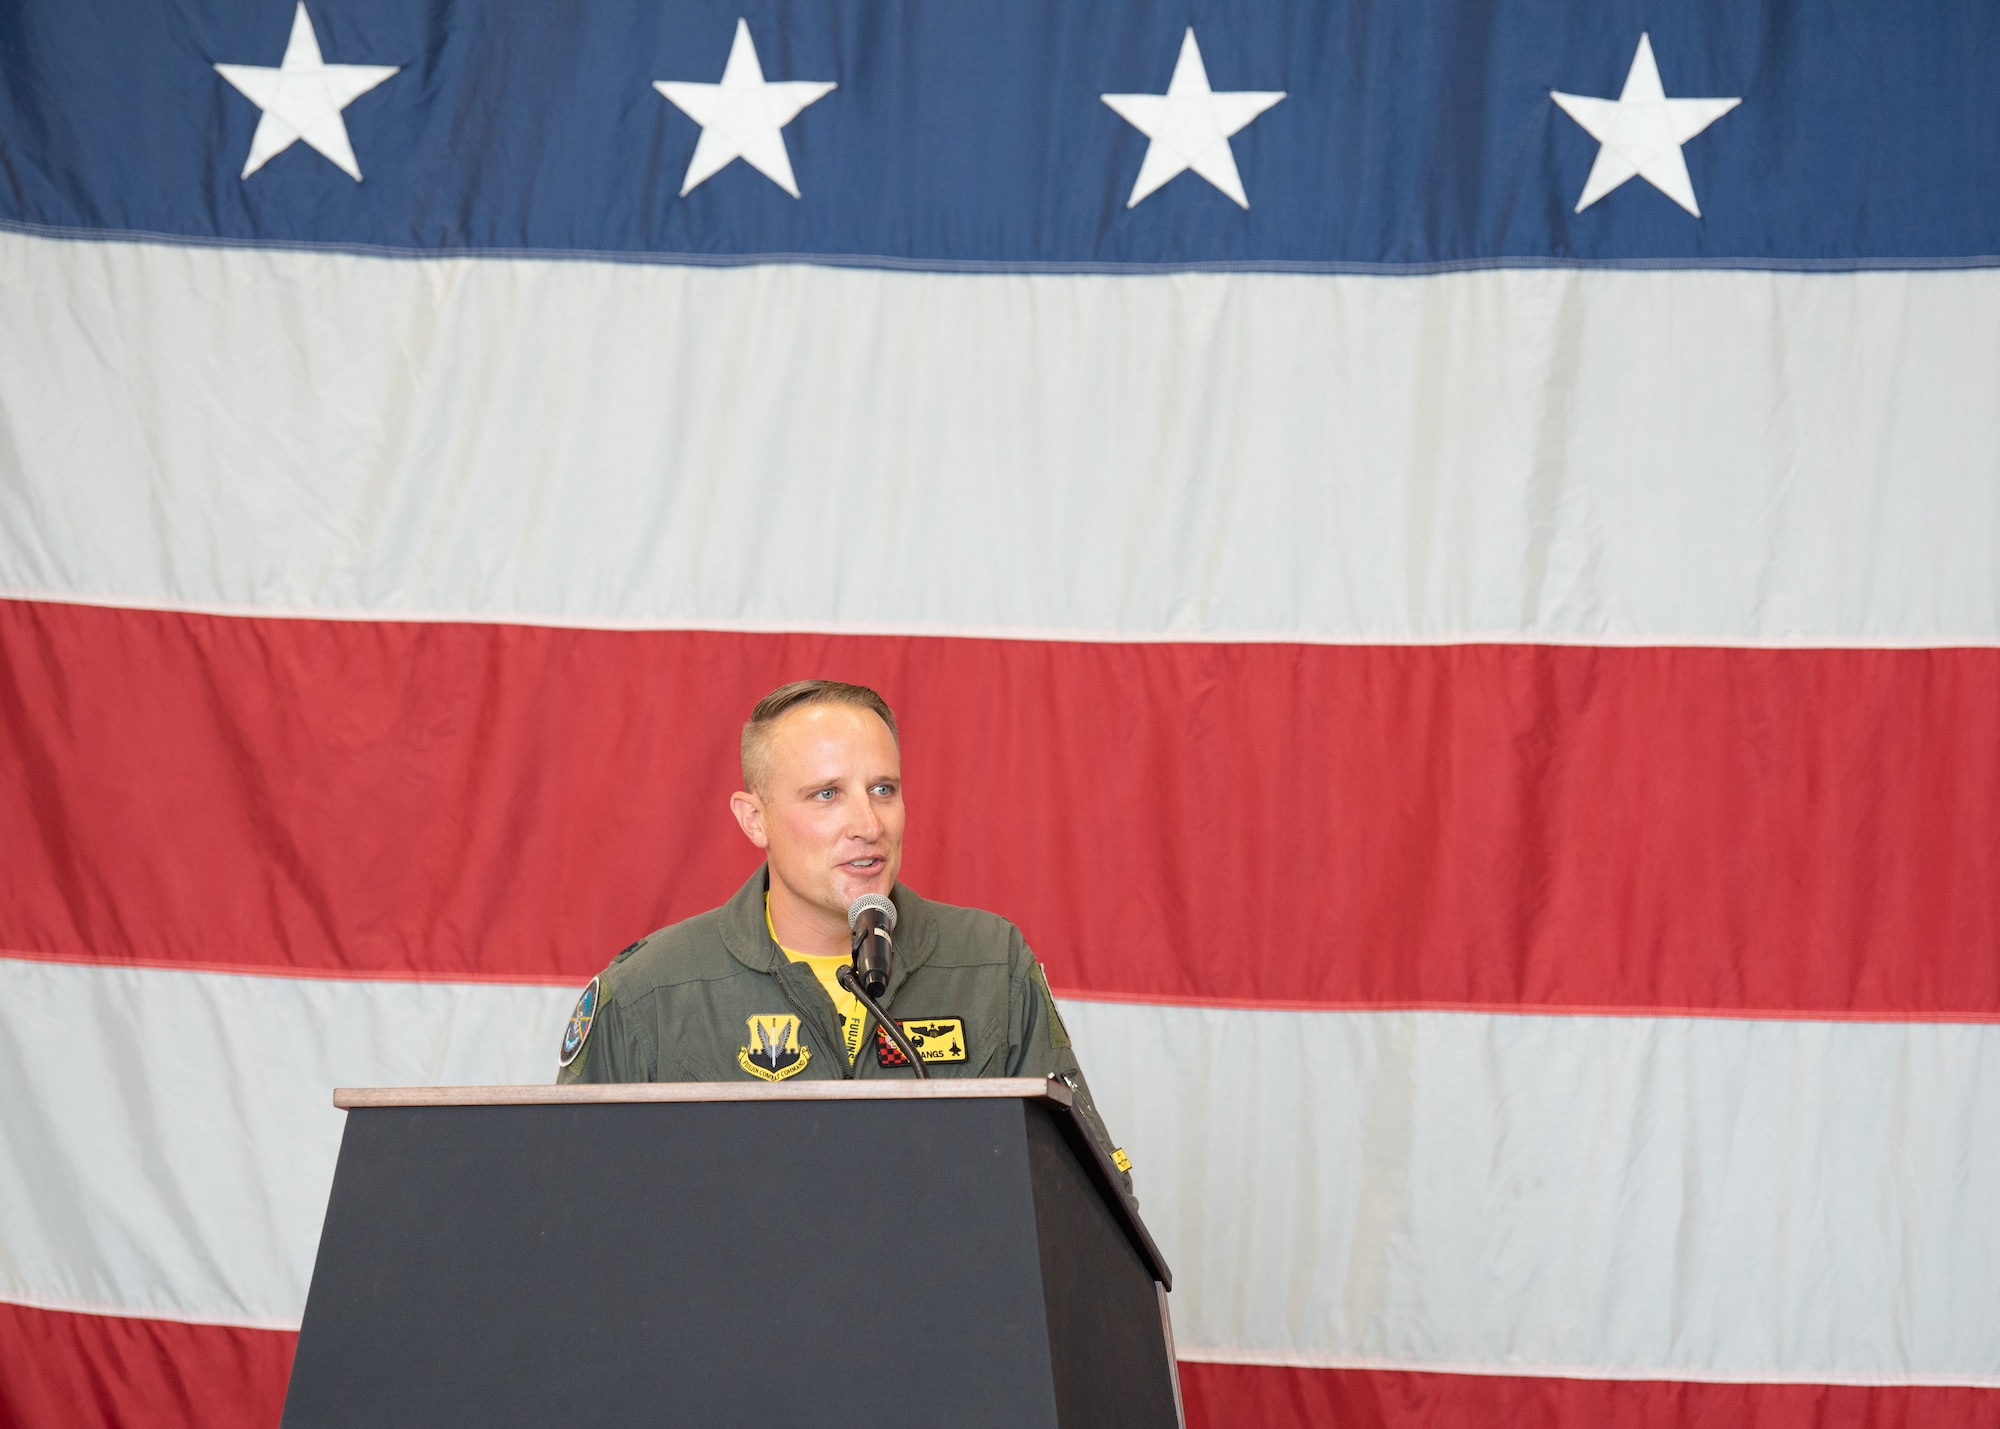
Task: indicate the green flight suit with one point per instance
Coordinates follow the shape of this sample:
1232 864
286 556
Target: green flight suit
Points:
713 999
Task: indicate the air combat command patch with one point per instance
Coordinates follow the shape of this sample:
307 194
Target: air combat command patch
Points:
579 1024
937 1039
775 1051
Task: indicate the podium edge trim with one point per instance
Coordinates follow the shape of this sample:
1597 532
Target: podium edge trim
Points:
1020 1088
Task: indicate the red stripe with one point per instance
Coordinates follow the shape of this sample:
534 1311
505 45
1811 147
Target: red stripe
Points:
1773 832
60 1371
1257 1397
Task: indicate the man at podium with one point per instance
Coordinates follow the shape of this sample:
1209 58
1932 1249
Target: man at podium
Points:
748 990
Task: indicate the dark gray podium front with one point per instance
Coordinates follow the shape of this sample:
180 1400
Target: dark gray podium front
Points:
943 1254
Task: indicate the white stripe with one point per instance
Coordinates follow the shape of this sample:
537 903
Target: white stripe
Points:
1709 457
1635 1197
1610 1197
167 1139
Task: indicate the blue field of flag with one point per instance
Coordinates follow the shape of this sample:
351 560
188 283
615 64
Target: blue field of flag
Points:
1334 136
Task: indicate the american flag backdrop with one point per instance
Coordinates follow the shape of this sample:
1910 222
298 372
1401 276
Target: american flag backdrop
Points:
1440 558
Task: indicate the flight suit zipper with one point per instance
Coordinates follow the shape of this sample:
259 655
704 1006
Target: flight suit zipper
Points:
818 1013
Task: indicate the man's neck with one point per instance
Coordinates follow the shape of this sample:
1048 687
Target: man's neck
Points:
805 927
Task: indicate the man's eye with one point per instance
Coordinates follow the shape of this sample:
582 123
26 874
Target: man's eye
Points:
823 794
884 791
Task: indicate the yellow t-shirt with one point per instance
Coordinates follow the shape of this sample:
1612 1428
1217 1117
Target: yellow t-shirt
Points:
853 1016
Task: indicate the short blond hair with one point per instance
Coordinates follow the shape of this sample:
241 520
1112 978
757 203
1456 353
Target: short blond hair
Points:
796 695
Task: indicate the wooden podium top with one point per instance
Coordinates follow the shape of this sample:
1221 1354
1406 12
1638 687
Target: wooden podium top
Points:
1027 1088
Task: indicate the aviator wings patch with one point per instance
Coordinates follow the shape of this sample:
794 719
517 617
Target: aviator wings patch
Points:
937 1039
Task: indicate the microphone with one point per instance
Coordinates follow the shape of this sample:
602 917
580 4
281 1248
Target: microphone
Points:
871 918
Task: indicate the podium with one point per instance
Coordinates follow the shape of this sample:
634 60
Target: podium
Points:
944 1254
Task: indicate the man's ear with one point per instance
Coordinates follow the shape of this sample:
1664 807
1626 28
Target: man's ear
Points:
749 811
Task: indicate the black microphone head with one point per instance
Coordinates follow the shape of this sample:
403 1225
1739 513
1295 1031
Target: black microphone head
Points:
871 918
863 904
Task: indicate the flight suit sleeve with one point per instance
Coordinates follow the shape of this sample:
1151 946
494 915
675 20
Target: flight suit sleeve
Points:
608 1053
1041 1048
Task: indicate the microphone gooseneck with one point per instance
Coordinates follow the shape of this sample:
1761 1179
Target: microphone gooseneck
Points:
871 918
845 977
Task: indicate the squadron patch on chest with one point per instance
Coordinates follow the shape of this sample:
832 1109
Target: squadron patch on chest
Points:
937 1039
579 1023
775 1051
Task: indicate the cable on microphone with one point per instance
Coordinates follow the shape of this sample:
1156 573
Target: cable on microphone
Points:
871 918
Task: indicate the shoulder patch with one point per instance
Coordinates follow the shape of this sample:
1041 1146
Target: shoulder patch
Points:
774 1051
1058 1034
580 1021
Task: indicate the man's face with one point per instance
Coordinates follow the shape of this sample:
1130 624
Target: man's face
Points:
830 817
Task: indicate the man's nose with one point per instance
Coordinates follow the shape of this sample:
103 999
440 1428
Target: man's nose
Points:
866 823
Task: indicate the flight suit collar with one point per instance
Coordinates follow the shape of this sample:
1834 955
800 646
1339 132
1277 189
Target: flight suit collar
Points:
748 936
